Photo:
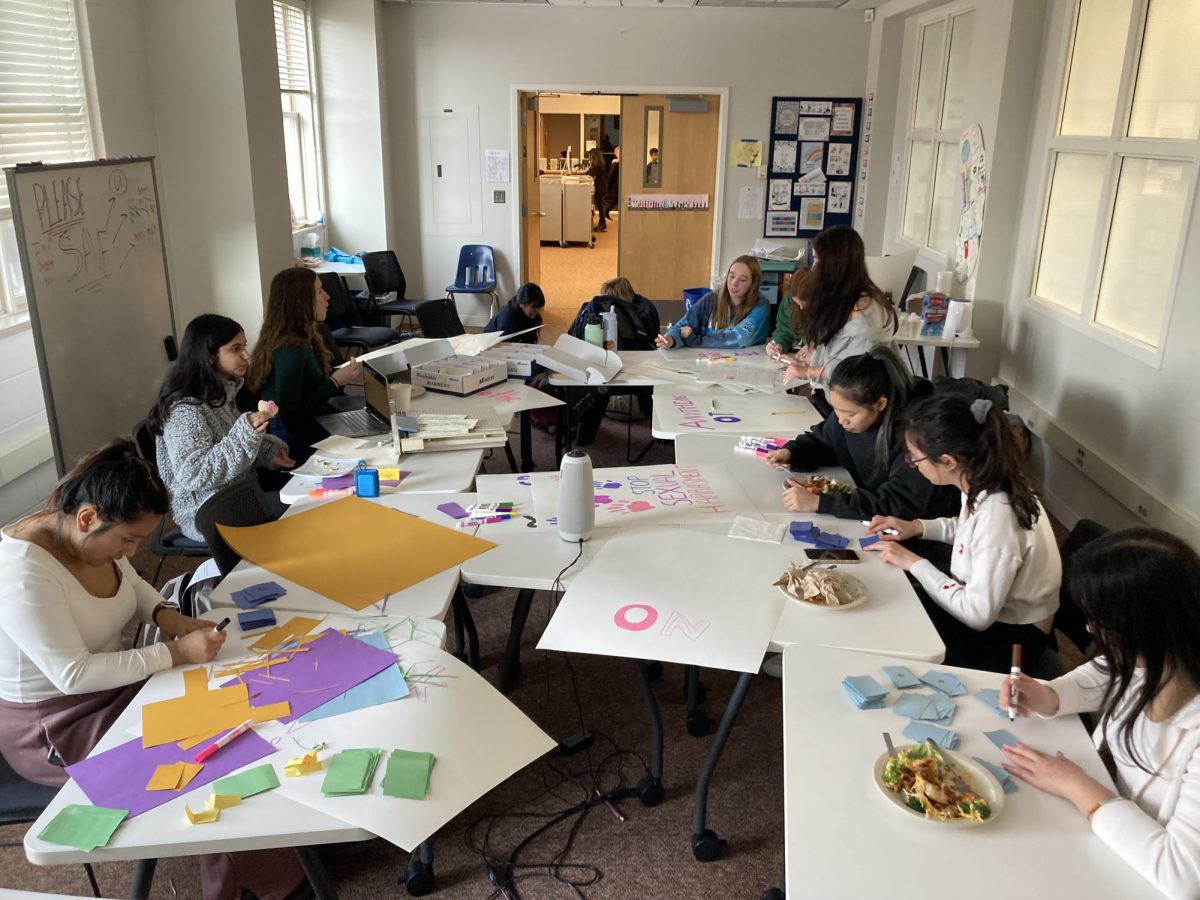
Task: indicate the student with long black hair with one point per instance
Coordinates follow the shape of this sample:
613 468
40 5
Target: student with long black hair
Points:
1139 590
869 394
1005 569
204 443
522 312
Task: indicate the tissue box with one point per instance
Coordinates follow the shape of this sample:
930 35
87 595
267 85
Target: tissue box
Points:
519 358
459 375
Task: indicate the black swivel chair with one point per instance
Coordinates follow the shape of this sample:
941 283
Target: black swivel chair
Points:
240 504
345 320
164 542
439 319
384 278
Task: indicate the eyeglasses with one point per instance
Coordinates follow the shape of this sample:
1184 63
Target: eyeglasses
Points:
911 462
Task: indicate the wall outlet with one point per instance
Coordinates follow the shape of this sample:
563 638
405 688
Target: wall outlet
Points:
1080 456
498 196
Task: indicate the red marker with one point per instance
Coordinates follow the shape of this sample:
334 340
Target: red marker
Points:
222 741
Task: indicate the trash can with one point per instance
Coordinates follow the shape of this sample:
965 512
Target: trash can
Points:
692 296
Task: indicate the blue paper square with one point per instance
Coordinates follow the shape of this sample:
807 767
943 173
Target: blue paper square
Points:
833 541
1006 780
256 618
902 677
868 540
944 682
801 527
990 697
943 737
1001 737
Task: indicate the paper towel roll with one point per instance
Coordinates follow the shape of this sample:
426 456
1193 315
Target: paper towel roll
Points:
945 283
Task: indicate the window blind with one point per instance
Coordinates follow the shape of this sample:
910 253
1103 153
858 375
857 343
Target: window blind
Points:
291 46
43 110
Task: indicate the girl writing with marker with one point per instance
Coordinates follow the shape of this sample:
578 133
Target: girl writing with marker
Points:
734 315
1005 569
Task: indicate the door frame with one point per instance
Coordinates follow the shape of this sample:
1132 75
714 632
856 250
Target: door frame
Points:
551 87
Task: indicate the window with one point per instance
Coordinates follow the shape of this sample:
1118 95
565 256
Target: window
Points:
43 110
931 185
1122 169
299 111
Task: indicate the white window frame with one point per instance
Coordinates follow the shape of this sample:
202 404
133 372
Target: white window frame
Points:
937 136
1115 147
312 174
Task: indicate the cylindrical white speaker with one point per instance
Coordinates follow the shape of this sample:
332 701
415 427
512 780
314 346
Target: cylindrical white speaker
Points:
576 498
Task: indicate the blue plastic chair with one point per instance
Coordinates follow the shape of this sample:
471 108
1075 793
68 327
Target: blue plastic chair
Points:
476 273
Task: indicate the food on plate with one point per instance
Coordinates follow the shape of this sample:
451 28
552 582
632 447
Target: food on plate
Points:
819 484
920 775
269 407
822 587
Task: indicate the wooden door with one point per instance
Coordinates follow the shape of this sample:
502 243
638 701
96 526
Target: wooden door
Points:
662 252
530 199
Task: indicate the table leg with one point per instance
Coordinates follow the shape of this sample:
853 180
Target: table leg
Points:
318 876
564 426
143 877
650 789
512 460
510 665
527 464
419 879
706 846
464 621
921 352
777 893
698 722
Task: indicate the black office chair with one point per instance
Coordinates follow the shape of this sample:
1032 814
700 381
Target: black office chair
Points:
164 542
384 278
240 504
439 319
345 320
21 802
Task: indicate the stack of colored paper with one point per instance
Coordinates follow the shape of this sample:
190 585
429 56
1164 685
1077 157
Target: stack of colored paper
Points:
945 682
350 772
83 827
385 687
257 594
936 708
810 534
918 732
256 618
864 691
408 774
902 677
173 776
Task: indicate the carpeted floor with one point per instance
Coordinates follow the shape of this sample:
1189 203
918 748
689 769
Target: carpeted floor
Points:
572 275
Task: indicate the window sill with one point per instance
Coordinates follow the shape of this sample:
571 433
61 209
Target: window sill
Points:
13 323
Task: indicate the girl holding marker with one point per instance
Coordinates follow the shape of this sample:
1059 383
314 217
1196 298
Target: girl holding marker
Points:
734 315
1005 569
1140 592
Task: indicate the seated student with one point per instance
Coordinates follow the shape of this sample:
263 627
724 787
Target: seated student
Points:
1140 592
203 442
67 591
1005 570
523 311
789 323
869 394
734 315
290 364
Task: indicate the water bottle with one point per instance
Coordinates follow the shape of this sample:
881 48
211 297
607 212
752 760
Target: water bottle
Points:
609 319
593 331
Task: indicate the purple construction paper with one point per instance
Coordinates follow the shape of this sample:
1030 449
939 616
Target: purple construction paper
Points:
331 665
338 482
453 510
117 778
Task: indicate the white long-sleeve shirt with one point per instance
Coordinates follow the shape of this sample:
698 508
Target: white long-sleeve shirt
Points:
1158 833
999 571
57 638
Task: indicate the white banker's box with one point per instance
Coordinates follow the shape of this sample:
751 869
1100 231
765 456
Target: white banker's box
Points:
460 375
518 357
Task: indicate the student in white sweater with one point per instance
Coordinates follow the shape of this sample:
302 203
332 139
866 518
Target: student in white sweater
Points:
1140 592
1005 569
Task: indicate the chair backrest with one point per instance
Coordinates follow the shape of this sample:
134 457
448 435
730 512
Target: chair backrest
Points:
891 273
324 332
241 503
146 445
383 274
21 801
343 311
439 319
476 267
1070 619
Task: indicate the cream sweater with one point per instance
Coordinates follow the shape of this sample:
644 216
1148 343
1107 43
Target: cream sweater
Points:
57 638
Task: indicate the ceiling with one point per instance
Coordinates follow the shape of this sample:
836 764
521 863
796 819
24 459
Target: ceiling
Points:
776 4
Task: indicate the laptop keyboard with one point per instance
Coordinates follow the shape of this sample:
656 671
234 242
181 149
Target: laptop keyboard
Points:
359 420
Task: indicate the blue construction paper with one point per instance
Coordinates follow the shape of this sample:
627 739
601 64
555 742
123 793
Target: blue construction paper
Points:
804 531
936 708
256 594
902 677
1001 737
385 687
1006 780
943 737
835 541
868 540
944 682
864 691
256 618
801 527
990 697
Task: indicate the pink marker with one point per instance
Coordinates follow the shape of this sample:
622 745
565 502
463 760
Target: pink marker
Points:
222 741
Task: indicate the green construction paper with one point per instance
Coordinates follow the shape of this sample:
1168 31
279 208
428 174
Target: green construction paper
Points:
350 772
408 774
248 783
83 827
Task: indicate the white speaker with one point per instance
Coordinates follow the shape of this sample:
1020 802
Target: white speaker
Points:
576 498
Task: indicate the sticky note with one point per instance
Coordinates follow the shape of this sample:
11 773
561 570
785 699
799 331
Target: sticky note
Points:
248 783
83 827
868 540
222 801
407 774
350 772
302 765
453 510
165 778
391 476
203 817
1001 737
901 677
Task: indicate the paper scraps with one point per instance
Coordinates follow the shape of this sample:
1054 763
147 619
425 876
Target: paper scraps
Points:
901 677
302 765
248 783
83 827
291 630
945 682
222 801
201 712
936 708
918 732
1006 781
205 816
173 776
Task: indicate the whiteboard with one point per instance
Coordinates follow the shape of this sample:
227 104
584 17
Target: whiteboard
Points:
90 242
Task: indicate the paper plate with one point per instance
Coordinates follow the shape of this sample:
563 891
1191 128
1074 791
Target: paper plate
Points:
857 589
980 780
326 466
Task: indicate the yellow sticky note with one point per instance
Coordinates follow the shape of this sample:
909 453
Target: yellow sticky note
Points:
222 801
204 817
390 474
166 778
302 765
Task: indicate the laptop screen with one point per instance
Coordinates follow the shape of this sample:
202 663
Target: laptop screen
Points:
376 390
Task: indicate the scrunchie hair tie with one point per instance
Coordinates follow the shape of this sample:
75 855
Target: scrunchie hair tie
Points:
980 409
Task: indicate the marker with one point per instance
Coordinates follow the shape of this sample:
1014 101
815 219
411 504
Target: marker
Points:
890 532
317 493
1013 674
221 626
222 741
612 808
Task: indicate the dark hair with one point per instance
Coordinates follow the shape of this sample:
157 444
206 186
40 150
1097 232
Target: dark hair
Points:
1139 589
115 480
987 451
528 294
836 283
290 321
863 379
194 379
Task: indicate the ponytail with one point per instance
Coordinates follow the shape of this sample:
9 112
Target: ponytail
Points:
115 480
981 440
863 379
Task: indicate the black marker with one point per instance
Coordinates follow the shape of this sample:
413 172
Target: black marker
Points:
221 627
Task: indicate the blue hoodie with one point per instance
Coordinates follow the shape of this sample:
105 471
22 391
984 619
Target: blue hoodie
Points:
750 331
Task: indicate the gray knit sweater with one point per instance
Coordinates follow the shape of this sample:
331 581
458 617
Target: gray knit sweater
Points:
203 449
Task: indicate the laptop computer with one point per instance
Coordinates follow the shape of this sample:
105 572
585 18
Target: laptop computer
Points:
374 418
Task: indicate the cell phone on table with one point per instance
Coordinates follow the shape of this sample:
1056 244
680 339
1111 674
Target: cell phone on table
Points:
831 554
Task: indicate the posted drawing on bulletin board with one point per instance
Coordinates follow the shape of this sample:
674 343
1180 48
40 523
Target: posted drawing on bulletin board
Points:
813 157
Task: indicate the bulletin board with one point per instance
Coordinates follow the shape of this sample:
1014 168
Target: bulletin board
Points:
811 164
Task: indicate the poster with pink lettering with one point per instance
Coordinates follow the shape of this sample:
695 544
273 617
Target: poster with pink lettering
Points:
688 597
652 495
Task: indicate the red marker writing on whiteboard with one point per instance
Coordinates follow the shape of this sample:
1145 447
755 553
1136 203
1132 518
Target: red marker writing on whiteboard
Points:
222 741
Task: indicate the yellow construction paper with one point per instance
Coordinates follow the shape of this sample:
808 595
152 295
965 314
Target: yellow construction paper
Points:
294 628
204 817
166 778
201 712
302 765
353 551
222 801
390 474
191 742
188 772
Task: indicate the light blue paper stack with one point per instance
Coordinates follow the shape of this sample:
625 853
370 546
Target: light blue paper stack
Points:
936 708
918 732
865 692
902 677
945 682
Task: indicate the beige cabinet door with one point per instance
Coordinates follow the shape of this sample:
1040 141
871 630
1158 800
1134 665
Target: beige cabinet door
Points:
662 252
530 199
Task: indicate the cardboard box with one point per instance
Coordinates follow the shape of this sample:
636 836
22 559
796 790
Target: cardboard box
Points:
518 357
459 375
